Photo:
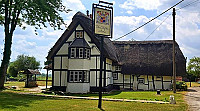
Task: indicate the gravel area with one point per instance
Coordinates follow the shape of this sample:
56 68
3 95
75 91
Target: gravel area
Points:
193 98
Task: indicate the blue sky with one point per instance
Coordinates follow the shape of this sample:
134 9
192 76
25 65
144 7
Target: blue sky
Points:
128 15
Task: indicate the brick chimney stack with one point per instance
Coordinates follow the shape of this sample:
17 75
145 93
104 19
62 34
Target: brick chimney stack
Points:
87 13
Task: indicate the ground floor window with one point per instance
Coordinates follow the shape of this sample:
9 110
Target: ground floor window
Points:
79 76
115 76
140 80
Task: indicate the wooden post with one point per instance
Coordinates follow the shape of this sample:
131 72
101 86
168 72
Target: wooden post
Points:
174 64
101 71
123 81
130 81
148 81
153 82
162 83
27 81
47 78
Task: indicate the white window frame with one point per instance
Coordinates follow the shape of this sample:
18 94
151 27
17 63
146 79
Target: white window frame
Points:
85 53
80 52
79 34
78 76
115 76
118 68
73 53
88 53
141 81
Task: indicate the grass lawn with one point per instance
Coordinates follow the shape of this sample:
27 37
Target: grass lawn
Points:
138 95
22 84
13 101
194 84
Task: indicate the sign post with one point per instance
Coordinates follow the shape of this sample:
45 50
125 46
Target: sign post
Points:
102 23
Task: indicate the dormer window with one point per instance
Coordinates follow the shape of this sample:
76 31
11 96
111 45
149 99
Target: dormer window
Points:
80 53
79 34
73 52
117 68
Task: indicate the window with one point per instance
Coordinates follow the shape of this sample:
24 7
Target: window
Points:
79 34
85 53
78 76
86 76
158 77
140 80
117 68
88 53
73 52
80 53
115 76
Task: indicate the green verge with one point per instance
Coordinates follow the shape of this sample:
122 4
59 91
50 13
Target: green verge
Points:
193 84
13 101
137 95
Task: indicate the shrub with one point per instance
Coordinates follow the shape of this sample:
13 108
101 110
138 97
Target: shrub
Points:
181 85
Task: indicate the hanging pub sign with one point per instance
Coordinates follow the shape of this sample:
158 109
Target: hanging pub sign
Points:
102 20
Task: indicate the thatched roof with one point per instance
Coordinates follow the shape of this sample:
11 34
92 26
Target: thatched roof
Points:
149 57
32 72
86 23
136 57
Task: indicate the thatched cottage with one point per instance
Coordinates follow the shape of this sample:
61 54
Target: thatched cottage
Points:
135 65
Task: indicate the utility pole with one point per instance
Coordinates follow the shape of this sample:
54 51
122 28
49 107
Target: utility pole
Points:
174 63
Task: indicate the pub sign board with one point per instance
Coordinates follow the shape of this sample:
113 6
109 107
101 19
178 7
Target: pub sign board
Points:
102 20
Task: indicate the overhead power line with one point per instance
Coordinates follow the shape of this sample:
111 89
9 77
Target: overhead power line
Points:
149 20
158 26
189 4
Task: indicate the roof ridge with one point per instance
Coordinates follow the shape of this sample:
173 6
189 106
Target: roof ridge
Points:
79 15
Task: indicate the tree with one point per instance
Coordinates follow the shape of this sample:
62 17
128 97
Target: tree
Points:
12 70
22 63
193 68
37 13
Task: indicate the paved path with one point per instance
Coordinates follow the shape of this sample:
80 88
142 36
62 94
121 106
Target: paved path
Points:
193 98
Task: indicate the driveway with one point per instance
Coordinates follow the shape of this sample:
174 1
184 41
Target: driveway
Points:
193 98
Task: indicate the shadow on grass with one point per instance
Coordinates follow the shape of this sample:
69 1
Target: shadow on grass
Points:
95 94
11 100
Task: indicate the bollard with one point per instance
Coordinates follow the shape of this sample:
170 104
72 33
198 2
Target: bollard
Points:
172 99
158 92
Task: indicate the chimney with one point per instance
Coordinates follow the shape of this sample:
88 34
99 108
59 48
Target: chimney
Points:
90 16
87 13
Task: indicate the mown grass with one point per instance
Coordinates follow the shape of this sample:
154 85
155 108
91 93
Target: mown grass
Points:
193 84
13 101
138 95
22 84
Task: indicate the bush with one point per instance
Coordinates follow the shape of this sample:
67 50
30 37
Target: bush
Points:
181 85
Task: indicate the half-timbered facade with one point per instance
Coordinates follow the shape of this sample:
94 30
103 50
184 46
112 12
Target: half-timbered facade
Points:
75 61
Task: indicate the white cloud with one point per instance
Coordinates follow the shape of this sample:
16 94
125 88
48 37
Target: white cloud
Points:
141 4
129 12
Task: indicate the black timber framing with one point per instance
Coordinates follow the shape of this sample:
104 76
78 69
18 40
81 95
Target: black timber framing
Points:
130 81
99 70
96 70
148 81
123 80
53 72
60 71
162 83
67 36
153 82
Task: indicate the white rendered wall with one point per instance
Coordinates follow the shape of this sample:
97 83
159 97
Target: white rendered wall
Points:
56 78
78 87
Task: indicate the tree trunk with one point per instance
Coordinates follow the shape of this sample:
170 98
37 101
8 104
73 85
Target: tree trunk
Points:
6 59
